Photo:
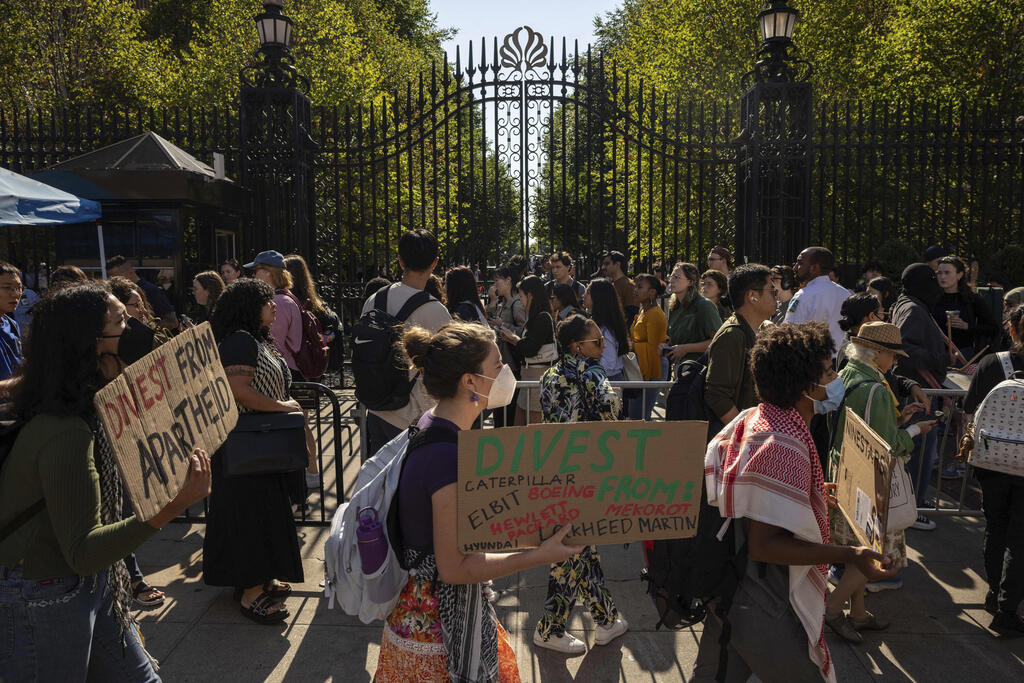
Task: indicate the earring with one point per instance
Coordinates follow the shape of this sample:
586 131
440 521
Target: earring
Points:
474 398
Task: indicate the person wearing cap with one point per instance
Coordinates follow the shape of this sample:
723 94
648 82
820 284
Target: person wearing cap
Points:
286 329
871 353
932 255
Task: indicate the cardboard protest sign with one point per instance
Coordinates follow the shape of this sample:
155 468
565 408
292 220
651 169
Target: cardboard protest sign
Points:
862 481
159 409
614 482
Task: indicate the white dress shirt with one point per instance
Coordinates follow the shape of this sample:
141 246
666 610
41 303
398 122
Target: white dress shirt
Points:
820 300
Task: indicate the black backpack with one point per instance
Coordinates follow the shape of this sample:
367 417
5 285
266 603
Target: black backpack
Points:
685 400
382 380
684 575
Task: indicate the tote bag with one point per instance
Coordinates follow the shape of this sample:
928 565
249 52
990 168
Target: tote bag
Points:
902 502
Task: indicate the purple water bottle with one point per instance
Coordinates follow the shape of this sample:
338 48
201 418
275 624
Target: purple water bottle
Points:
373 544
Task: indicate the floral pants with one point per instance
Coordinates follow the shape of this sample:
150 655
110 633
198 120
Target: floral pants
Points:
578 578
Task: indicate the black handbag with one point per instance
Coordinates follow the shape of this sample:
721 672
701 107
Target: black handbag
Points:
265 443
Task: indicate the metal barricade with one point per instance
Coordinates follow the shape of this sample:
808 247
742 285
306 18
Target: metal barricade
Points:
509 411
951 428
334 447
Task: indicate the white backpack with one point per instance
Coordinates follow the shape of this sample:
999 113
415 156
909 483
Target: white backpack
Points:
374 596
999 425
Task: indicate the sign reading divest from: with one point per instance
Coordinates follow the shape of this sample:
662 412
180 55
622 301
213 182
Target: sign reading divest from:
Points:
613 482
162 407
862 481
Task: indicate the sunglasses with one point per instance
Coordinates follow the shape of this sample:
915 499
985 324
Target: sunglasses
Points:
599 341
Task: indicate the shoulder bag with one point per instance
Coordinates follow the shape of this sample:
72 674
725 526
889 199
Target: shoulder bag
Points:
547 354
902 501
265 443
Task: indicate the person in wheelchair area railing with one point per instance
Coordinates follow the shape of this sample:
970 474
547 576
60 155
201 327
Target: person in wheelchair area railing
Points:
1002 496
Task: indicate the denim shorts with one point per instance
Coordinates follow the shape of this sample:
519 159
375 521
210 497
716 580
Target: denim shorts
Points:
57 628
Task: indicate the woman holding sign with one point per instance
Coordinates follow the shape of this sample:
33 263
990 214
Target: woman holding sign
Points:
250 542
871 353
442 627
576 389
64 589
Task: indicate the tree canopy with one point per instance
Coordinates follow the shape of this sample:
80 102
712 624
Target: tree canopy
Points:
104 53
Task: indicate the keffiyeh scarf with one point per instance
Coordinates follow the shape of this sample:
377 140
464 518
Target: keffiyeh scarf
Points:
763 466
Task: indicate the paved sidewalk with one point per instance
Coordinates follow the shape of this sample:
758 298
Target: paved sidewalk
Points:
938 633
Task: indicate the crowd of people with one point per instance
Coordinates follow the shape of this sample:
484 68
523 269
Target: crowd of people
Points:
784 351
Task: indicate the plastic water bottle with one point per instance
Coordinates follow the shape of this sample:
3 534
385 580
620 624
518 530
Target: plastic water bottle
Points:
373 544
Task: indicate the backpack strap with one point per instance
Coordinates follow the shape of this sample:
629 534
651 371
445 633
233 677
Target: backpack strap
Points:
414 302
834 422
22 519
1006 360
380 299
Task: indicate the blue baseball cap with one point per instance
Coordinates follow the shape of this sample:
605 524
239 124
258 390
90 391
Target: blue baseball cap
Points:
267 258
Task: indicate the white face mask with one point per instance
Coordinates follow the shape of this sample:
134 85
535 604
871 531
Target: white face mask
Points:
502 389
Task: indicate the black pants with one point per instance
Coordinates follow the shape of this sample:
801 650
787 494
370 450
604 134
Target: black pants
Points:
378 433
1003 502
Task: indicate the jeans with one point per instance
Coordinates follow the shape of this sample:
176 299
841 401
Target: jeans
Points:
378 433
1003 502
57 629
641 407
925 448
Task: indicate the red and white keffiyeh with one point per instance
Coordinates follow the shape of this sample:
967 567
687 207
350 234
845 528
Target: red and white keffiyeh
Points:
764 466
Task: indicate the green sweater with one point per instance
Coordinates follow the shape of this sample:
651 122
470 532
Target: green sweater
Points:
52 459
884 419
698 323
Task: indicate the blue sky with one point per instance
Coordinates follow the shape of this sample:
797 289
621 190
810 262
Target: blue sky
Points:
573 19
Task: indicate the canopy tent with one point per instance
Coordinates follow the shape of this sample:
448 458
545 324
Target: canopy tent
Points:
24 201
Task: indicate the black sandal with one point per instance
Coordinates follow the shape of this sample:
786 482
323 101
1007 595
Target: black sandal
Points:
281 590
259 610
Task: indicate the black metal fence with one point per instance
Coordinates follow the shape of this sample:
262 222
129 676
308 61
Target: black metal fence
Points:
528 146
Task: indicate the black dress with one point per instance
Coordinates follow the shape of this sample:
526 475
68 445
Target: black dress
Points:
250 533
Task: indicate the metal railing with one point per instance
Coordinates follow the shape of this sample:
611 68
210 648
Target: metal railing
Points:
334 448
951 426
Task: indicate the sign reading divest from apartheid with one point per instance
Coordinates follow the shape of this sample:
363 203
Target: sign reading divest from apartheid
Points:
862 481
159 409
613 482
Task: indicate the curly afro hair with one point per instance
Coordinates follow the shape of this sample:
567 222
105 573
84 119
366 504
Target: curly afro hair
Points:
788 359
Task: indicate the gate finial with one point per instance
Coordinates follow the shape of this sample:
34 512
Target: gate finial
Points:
523 53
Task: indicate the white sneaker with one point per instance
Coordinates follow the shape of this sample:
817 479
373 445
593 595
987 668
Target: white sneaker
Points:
923 524
606 634
566 643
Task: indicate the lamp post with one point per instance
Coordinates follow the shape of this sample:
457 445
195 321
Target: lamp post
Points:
276 147
773 160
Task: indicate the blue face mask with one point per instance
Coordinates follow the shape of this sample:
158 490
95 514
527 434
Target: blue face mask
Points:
834 392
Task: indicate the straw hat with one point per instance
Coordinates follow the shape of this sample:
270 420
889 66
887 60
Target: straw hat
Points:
881 336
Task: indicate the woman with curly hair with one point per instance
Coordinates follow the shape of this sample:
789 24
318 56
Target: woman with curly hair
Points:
65 592
250 542
576 389
763 472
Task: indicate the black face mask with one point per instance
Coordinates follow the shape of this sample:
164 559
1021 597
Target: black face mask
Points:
135 342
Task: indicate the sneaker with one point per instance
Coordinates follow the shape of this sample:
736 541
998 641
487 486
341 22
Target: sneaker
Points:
923 524
885 585
1008 624
606 634
872 623
312 480
843 627
565 643
991 602
835 574
953 471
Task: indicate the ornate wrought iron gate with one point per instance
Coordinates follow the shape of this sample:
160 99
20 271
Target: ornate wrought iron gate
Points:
523 147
